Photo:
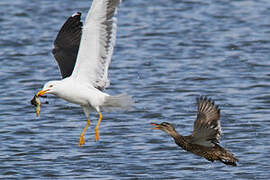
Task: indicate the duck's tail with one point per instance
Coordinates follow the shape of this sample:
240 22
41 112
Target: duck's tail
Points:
227 157
118 102
229 160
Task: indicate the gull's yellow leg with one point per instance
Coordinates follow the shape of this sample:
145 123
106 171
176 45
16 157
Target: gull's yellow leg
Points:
82 141
99 120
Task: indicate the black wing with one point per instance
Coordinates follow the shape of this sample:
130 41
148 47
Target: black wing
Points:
66 44
207 129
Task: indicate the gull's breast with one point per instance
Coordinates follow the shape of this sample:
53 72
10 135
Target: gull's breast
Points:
81 94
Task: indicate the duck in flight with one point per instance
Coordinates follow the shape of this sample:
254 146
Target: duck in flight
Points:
205 136
83 54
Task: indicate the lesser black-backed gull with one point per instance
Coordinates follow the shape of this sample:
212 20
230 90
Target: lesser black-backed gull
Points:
83 54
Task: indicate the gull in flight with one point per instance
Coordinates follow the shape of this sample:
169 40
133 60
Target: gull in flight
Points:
83 54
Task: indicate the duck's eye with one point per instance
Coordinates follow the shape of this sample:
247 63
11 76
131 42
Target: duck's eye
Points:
50 86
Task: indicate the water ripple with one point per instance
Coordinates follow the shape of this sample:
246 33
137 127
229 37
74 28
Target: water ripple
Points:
167 53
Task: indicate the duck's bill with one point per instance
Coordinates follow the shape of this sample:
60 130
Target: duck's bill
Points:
41 92
157 126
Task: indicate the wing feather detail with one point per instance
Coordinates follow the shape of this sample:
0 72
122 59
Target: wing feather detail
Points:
207 129
66 44
97 43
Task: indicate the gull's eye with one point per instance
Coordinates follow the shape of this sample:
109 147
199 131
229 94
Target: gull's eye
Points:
50 86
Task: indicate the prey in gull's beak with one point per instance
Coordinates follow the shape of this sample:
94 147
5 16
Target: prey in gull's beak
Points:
157 126
36 102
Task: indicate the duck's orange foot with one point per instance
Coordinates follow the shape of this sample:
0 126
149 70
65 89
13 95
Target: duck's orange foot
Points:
82 141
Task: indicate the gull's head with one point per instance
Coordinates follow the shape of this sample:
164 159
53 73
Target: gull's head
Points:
166 127
51 87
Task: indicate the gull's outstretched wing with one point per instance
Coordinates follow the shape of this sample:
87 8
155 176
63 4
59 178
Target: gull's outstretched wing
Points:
66 44
207 129
96 47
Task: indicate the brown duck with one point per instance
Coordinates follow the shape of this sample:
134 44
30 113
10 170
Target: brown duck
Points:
205 136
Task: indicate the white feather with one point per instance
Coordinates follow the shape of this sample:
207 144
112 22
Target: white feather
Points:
97 43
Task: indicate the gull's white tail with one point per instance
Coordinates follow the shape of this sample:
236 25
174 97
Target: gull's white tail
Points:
118 102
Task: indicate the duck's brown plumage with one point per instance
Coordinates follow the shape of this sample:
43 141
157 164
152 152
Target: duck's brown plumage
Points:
205 136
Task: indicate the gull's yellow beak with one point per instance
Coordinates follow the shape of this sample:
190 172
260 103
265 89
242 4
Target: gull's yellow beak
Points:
41 92
157 126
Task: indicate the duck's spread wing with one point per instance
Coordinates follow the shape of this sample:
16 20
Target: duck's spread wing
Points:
96 47
207 129
66 44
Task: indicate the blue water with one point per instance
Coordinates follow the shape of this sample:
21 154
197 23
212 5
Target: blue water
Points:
167 53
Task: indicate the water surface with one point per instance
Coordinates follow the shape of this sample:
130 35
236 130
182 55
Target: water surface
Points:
167 53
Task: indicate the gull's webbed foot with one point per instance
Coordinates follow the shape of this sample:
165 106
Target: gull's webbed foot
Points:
82 141
97 135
